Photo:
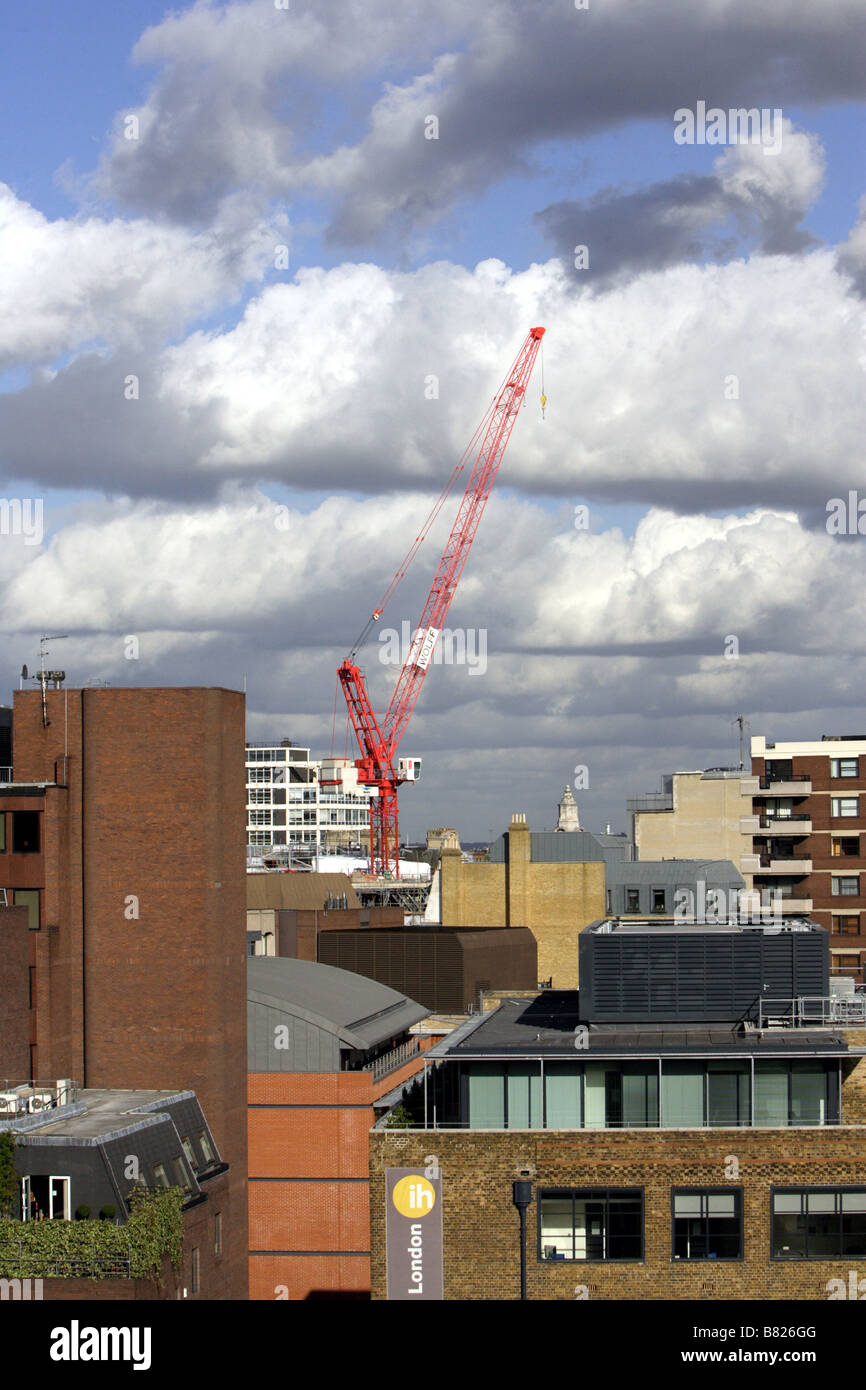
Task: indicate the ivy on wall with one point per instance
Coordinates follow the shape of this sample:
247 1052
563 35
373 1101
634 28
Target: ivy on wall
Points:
98 1249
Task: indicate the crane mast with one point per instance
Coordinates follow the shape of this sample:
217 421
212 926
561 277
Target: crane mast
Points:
378 742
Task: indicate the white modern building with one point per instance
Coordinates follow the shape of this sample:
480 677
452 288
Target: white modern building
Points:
293 799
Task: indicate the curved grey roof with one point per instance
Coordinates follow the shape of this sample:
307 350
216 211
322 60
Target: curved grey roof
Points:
358 1012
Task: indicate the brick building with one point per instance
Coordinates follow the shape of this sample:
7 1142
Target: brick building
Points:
809 837
80 1154
326 1048
122 834
686 1162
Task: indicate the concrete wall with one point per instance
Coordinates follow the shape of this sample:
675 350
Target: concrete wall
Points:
704 823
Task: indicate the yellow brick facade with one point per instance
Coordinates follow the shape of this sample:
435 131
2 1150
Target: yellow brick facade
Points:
554 900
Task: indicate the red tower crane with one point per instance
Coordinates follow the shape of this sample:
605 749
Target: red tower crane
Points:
378 740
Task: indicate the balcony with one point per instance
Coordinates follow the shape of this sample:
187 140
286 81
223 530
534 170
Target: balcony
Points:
785 825
784 786
391 1061
785 867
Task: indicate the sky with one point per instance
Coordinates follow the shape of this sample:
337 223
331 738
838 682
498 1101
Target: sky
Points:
262 269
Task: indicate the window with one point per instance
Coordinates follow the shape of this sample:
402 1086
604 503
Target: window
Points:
195 1272
707 1224
190 1153
841 806
844 845
259 774
29 898
218 1233
2 832
25 832
845 887
843 767
658 897
847 925
815 1223
609 900
844 962
160 1177
632 900
259 796
259 818
181 1174
206 1147
589 1224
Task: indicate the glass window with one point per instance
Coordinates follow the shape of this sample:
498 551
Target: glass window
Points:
658 900
841 806
727 1094
591 1224
640 1097
486 1098
808 1094
3 835
25 832
707 1224
848 845
847 926
632 900
562 1095
218 1233
205 1146
843 767
195 1275
847 886
682 1095
29 898
160 1177
524 1095
819 1224
771 1094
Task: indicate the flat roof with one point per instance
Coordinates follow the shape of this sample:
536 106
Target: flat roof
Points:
667 926
99 1113
545 1027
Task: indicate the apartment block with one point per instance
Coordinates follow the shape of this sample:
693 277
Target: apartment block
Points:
808 829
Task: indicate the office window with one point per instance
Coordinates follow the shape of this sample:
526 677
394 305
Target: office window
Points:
845 887
845 846
819 1223
842 806
160 1177
589 1224
609 900
847 962
847 926
29 898
486 1097
2 831
218 1233
707 1224
562 1095
682 1095
190 1153
727 1094
632 900
844 767
205 1146
195 1273
25 832
658 900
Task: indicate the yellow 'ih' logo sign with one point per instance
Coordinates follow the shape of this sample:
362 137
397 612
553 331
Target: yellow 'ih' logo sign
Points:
414 1197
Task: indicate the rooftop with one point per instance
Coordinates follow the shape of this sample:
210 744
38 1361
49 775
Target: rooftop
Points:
546 1027
361 1013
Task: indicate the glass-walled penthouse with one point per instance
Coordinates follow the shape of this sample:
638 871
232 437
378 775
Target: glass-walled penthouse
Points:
665 1093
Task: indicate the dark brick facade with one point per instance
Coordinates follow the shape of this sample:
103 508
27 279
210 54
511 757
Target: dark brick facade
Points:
15 1012
140 960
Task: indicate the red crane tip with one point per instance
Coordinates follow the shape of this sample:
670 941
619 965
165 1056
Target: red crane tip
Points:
537 332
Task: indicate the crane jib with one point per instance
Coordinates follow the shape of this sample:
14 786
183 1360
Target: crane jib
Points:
378 740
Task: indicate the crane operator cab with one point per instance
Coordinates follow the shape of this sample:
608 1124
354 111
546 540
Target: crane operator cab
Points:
409 769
